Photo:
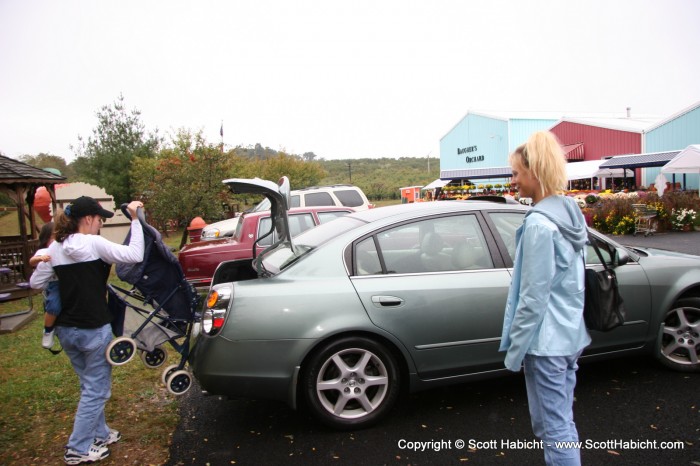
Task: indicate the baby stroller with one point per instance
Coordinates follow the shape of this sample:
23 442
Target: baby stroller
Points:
161 307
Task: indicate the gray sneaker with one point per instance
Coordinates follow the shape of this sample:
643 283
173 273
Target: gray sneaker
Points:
96 452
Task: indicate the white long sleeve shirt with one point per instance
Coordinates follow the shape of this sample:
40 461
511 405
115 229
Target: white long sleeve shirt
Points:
79 247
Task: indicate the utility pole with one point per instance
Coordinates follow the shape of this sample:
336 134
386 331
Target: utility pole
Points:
350 171
221 132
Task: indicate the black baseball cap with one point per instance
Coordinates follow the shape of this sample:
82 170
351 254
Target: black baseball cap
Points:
84 206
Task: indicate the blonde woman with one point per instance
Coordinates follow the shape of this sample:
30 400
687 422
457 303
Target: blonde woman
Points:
543 327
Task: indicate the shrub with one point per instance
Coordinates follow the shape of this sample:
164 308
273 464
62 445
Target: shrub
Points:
614 214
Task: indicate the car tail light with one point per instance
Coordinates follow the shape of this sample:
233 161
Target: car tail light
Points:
214 315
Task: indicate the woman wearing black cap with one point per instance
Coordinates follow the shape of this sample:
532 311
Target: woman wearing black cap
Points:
81 259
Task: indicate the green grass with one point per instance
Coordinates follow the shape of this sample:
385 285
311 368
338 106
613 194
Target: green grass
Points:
39 394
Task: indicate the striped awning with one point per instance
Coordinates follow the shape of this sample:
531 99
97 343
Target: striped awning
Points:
573 151
476 173
653 159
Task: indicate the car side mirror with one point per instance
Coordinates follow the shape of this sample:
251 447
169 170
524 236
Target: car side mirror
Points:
622 257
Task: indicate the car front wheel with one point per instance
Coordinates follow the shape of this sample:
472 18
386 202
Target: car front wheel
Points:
351 383
678 343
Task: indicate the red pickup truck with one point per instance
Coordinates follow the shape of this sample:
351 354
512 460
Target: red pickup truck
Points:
200 259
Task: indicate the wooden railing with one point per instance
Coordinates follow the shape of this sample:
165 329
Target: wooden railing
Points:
14 263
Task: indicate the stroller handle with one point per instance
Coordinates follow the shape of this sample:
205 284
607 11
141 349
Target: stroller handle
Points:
139 213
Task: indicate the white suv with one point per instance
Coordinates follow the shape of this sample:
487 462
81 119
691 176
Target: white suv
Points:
336 195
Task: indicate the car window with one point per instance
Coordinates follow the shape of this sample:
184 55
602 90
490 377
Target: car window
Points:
433 245
506 223
295 201
367 258
297 224
605 251
318 199
349 197
324 217
300 222
263 228
283 255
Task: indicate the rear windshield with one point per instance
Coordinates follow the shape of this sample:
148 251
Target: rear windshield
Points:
283 256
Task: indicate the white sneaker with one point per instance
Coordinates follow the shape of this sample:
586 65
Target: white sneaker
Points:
47 339
113 437
95 453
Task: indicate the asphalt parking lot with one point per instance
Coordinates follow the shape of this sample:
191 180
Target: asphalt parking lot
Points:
686 242
629 411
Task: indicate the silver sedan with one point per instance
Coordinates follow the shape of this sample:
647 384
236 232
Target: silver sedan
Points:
408 297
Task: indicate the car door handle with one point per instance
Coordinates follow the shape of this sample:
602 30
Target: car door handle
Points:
387 301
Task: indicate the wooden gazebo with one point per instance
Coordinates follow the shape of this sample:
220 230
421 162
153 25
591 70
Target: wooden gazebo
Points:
20 182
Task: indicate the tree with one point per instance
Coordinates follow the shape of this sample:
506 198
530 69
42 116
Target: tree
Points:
43 160
301 174
183 180
119 138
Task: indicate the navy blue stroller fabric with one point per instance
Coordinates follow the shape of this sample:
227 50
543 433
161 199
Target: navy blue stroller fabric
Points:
159 277
117 308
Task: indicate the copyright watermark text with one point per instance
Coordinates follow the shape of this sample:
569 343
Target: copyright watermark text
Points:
519 444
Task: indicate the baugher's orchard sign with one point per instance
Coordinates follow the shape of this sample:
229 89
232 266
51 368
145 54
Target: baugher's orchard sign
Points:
470 159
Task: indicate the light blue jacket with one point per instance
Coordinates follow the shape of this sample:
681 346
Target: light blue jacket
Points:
544 311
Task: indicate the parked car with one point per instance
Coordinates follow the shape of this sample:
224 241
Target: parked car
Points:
200 259
411 296
336 195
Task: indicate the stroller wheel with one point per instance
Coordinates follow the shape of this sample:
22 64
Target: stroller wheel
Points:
154 359
120 351
167 372
179 382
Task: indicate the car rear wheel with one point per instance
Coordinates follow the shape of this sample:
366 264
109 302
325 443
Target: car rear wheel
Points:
351 383
678 343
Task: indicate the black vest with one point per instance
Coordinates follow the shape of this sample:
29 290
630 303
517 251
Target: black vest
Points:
83 289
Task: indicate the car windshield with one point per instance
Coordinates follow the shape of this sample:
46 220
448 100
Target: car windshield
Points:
262 205
273 262
239 228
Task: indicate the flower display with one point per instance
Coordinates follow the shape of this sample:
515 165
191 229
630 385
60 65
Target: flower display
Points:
680 218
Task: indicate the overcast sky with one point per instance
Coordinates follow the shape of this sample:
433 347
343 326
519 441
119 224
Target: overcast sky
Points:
377 78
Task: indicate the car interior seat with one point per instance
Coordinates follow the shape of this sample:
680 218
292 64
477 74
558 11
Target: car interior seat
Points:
467 257
432 258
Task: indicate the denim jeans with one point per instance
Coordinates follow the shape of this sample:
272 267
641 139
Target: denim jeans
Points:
86 350
550 382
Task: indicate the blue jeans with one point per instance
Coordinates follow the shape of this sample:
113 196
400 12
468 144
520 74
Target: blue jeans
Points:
550 382
52 299
86 350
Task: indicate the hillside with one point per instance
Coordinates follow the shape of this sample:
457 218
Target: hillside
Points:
381 178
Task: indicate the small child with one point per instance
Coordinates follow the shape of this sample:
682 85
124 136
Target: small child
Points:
52 299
